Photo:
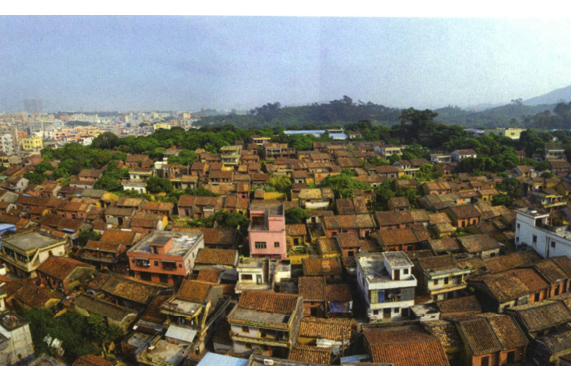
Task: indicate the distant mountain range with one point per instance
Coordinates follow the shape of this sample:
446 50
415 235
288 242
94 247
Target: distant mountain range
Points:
553 97
339 112
509 115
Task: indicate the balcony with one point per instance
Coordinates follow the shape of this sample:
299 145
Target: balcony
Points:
142 263
168 266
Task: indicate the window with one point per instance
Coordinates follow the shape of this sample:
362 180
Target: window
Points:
518 225
405 271
435 282
553 244
396 310
276 244
260 245
534 239
248 346
245 329
247 277
445 280
156 263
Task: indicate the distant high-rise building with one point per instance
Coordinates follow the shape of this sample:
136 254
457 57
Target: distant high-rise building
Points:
33 106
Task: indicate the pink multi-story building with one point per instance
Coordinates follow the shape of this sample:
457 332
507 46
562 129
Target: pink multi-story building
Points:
266 232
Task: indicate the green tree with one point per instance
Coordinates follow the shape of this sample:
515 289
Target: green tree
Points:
108 183
106 140
296 216
185 157
343 185
502 199
43 166
87 235
542 166
200 191
280 183
159 185
384 193
230 220
34 178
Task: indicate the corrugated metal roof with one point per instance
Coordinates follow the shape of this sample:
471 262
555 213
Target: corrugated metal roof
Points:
213 359
181 333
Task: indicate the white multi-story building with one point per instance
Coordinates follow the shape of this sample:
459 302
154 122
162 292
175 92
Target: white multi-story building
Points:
7 144
16 347
462 154
387 284
532 229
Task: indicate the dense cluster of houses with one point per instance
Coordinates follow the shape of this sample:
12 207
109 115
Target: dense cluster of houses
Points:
455 281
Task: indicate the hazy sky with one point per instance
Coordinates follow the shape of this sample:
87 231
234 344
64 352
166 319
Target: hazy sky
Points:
185 62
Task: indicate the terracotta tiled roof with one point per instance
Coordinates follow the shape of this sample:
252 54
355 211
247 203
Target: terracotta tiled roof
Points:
532 280
99 281
61 267
105 246
464 305
542 315
396 237
312 288
222 333
131 289
446 244
186 201
408 346
212 236
507 262
51 220
194 291
322 266
158 206
338 292
479 336
216 257
328 246
127 202
564 264
349 221
296 229
438 263
550 271
153 312
102 307
465 211
479 242
348 240
330 329
565 298
268 302
209 275
507 331
505 287
29 295
118 236
446 332
557 343
91 360
310 355
439 218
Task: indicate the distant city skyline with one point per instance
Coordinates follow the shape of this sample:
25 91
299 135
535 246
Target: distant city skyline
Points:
124 63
